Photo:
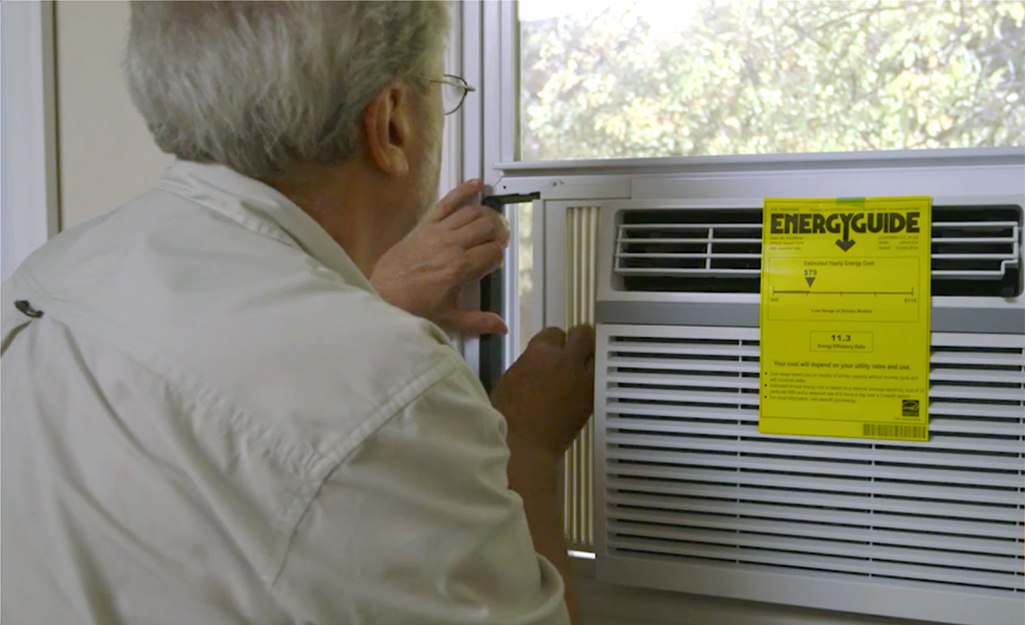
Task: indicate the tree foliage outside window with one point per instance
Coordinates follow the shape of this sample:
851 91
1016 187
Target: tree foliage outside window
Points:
636 80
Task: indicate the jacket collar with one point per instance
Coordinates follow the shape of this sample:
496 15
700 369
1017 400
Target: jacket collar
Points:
262 209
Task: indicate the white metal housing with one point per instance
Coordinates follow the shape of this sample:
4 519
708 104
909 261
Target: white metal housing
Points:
691 497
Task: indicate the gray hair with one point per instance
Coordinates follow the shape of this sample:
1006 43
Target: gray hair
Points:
260 86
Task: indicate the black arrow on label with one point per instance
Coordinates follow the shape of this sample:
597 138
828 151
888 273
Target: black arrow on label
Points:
809 280
845 244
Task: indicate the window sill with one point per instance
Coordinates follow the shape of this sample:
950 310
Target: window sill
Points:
613 604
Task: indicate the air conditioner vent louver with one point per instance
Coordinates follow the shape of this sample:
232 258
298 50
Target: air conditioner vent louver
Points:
689 479
975 250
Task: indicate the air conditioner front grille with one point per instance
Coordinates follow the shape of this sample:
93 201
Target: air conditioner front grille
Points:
975 250
688 477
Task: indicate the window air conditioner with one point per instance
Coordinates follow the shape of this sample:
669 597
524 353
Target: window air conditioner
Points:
691 497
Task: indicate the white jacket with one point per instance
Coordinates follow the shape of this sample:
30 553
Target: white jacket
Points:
209 416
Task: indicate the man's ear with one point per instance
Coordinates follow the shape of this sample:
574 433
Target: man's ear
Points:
389 130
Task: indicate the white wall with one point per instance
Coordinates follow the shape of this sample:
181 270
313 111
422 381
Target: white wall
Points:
105 153
28 197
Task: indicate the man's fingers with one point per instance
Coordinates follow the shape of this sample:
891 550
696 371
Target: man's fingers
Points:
580 343
465 215
474 322
551 336
455 199
490 226
482 260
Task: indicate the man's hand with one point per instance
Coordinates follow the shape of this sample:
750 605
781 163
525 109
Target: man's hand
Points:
548 394
546 397
454 245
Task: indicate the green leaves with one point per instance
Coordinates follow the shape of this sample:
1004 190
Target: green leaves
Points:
773 77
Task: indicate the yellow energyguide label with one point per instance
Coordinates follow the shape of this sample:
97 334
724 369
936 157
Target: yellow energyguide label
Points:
845 303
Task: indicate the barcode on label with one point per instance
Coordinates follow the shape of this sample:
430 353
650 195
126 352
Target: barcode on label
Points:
894 431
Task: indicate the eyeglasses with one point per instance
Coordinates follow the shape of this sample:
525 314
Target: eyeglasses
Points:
453 92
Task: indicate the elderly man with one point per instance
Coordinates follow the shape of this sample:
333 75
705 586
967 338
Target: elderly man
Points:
210 413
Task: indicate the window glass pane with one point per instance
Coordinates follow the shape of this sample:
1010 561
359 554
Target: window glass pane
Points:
646 79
